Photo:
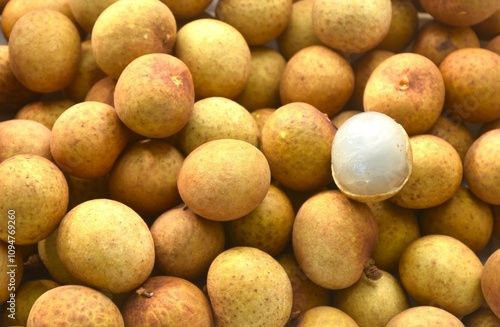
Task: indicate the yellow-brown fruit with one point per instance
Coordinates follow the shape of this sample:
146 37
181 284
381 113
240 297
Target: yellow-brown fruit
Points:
44 50
460 12
22 136
224 179
404 26
318 76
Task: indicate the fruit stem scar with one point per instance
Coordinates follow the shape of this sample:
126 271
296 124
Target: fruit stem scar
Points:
142 292
177 81
404 83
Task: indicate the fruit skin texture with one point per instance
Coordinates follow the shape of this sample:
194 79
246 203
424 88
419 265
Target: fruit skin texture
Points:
167 301
39 201
333 238
217 56
318 76
436 175
27 294
471 77
440 270
482 317
409 88
44 50
128 29
258 21
185 243
464 217
427 316
268 227
397 228
324 316
490 282
372 303
106 245
87 138
362 29
154 95
482 167
306 294
152 193
460 12
297 142
224 179
69 305
248 287
23 136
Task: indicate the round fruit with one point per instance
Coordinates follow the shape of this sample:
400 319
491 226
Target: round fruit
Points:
371 157
482 167
490 282
106 245
224 179
440 270
154 95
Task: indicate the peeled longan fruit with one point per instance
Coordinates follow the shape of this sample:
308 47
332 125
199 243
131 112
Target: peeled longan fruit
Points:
46 111
297 141
471 77
217 118
22 136
404 25
424 316
490 282
224 179
453 130
13 94
408 88
440 270
460 12
154 95
39 202
482 167
151 193
436 174
128 29
463 217
87 138
44 50
299 33
363 67
362 29
436 40
217 56
318 76
262 88
185 243
258 21
187 10
371 157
